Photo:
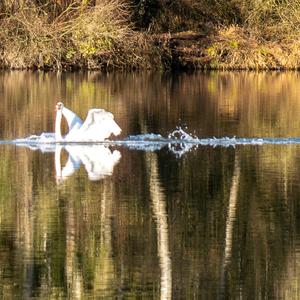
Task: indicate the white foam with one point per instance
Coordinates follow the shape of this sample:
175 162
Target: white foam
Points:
178 141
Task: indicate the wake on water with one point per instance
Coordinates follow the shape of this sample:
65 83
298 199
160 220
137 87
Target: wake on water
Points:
178 141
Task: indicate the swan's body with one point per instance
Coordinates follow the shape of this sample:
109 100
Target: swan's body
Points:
98 126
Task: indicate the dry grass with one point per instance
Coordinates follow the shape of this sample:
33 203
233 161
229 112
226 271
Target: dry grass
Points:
234 47
80 35
267 37
262 13
241 34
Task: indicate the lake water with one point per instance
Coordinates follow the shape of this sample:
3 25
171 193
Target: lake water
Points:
205 223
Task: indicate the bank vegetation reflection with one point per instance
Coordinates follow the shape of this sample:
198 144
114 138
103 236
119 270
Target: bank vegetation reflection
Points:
234 104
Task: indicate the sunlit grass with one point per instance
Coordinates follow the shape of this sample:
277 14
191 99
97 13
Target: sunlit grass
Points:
117 34
78 35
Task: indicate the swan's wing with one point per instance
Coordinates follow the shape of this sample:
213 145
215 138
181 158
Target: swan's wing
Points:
99 125
74 122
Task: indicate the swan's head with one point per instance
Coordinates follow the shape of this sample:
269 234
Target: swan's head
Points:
110 125
116 130
59 106
104 122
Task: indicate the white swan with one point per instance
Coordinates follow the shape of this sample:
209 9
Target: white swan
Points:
98 126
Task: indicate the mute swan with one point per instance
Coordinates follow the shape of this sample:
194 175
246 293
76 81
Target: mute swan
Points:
98 126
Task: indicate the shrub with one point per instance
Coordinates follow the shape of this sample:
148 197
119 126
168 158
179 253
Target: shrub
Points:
80 34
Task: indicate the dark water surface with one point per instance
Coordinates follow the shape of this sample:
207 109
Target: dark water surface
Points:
213 223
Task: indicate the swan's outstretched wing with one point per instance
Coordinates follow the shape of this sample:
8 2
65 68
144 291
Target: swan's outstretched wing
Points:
98 126
74 122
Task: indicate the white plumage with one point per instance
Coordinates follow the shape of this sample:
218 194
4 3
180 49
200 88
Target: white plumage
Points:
98 126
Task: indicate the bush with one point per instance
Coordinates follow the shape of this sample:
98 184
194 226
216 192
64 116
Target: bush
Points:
80 34
271 19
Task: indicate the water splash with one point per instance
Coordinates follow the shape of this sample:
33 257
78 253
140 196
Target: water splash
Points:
45 142
180 134
146 142
179 142
186 142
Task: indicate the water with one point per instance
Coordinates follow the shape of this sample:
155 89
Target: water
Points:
210 217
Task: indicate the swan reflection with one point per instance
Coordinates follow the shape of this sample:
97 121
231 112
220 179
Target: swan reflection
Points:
98 160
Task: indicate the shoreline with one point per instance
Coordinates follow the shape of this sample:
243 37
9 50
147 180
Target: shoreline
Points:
153 35
229 49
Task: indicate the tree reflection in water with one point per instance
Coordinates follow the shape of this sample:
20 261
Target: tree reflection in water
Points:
159 225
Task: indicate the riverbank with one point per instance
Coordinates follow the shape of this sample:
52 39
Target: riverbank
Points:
230 49
152 34
227 48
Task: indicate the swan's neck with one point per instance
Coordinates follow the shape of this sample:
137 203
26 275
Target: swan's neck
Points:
58 136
